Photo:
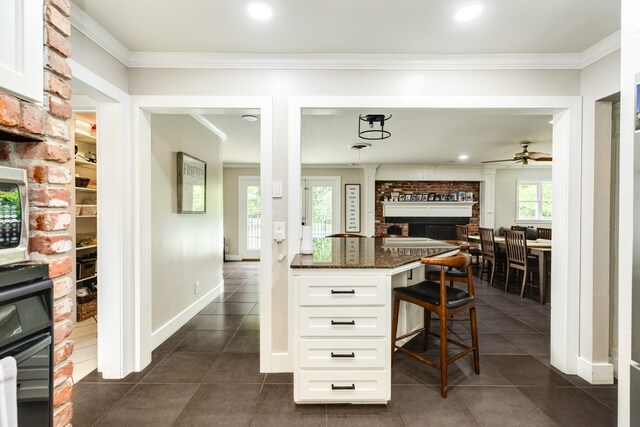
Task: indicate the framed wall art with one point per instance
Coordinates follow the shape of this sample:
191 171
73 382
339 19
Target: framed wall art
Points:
192 184
352 208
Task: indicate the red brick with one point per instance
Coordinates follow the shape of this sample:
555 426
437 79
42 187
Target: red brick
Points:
62 287
59 108
50 244
58 64
50 221
62 330
62 352
32 118
59 266
44 150
58 20
58 86
57 41
62 416
63 5
9 110
5 150
62 394
49 197
62 372
62 309
57 128
49 174
37 173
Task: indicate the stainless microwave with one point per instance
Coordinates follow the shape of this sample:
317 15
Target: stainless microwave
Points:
14 216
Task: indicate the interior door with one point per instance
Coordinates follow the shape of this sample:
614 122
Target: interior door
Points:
321 204
249 217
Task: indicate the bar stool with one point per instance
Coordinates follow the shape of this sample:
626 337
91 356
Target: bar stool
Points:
445 301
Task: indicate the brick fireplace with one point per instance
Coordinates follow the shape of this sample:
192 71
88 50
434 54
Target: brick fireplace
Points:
433 226
49 200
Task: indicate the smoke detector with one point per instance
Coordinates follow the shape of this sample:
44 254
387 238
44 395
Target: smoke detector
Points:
360 146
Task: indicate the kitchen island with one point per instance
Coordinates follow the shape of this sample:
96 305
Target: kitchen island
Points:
341 305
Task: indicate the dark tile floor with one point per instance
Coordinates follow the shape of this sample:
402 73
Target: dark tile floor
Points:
207 374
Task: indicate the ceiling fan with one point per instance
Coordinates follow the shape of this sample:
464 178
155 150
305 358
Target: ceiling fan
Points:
525 155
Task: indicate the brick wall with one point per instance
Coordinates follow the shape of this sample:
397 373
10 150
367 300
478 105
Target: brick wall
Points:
425 187
49 200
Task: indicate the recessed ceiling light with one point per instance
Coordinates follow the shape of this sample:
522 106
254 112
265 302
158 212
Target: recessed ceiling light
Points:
468 12
463 156
260 10
249 118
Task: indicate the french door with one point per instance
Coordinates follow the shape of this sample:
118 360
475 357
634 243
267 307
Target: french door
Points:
321 204
249 217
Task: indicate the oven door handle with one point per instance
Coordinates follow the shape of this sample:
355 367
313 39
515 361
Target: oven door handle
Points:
33 347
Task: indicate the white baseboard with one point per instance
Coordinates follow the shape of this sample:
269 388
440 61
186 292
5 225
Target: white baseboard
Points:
165 331
281 362
229 257
595 373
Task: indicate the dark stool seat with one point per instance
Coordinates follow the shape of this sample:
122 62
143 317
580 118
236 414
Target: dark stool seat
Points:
445 302
429 291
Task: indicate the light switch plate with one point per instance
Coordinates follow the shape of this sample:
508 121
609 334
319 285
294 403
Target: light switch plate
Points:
279 231
277 189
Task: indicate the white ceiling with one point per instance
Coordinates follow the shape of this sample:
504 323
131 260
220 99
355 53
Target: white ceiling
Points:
357 26
418 136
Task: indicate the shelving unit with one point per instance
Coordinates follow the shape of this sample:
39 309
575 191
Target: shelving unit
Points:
85 228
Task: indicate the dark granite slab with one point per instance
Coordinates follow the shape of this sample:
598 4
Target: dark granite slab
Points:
365 252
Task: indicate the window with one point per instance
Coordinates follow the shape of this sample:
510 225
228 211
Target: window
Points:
534 201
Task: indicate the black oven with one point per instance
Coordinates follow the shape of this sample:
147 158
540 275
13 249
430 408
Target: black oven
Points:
26 334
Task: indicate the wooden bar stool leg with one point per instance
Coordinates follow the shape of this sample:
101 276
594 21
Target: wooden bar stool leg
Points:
474 339
394 326
443 352
427 328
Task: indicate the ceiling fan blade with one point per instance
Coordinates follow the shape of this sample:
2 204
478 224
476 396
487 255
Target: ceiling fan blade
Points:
496 161
536 155
542 159
514 163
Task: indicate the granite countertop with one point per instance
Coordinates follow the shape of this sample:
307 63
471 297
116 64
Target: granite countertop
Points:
369 252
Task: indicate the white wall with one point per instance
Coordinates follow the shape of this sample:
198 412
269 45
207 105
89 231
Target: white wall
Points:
93 57
506 191
599 80
186 247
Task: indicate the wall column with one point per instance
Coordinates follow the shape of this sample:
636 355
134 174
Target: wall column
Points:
369 200
488 199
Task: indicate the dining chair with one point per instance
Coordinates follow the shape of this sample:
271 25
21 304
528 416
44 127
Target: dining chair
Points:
543 233
491 255
518 258
462 234
443 301
518 228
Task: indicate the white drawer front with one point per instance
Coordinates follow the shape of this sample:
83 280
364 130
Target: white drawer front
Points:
343 321
343 291
342 353
343 386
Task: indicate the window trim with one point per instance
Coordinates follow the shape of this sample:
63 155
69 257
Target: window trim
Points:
538 219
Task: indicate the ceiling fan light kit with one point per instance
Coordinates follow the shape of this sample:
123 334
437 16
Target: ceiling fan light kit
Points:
375 130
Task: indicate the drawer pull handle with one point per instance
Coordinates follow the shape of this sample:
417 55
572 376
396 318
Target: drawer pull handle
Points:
352 291
352 354
351 322
343 387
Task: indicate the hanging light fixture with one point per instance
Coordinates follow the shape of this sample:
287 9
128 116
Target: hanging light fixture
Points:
375 130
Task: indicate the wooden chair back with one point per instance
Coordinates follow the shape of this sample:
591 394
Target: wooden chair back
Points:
487 242
518 228
516 242
460 261
462 233
543 233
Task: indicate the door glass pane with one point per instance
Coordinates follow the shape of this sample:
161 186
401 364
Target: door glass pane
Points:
321 211
253 218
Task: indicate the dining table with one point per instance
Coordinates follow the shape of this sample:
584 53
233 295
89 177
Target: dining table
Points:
540 247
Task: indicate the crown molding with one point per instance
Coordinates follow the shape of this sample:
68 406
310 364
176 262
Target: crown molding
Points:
320 61
84 23
601 49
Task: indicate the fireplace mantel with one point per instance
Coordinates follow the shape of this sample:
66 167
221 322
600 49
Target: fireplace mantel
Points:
427 209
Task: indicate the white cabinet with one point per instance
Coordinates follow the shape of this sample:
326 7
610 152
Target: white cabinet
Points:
342 344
